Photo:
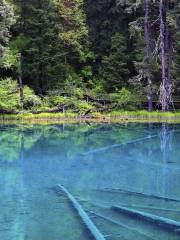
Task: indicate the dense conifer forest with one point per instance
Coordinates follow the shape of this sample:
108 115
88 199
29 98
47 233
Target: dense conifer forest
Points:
87 55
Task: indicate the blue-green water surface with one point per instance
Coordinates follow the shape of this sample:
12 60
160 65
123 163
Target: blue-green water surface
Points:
102 165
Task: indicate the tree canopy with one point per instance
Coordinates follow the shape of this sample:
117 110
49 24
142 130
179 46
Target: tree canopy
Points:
100 47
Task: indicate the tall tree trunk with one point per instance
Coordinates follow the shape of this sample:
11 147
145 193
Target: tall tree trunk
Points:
41 82
21 92
175 8
163 57
68 3
166 27
170 60
148 65
67 21
153 27
169 52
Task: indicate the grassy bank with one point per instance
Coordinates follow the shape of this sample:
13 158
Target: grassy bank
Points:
120 116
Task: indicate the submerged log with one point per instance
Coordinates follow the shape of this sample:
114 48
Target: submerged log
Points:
159 221
123 144
107 205
152 208
83 215
120 224
119 145
141 194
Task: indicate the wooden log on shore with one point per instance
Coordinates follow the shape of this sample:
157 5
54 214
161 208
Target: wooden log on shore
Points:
83 215
159 221
2 111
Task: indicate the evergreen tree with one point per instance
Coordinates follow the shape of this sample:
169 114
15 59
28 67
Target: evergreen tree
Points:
74 35
7 19
111 43
114 66
41 55
56 48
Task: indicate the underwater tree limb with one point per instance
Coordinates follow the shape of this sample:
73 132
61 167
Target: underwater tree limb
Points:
119 145
141 194
123 144
161 221
120 224
152 208
85 218
107 205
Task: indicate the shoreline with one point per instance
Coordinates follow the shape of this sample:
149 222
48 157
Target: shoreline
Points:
114 117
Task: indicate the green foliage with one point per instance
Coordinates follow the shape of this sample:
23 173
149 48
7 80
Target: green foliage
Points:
114 70
86 71
9 95
54 101
97 89
74 32
73 48
56 43
11 57
42 62
72 103
126 100
74 91
82 106
30 99
7 19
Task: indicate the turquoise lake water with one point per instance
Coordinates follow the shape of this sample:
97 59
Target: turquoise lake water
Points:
102 165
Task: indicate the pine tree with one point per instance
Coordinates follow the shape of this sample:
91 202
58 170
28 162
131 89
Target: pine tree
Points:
41 57
74 35
7 19
111 43
114 66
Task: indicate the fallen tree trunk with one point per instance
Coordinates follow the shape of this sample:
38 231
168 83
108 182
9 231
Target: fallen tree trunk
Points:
3 111
119 145
120 224
159 221
89 98
85 218
107 205
142 194
152 208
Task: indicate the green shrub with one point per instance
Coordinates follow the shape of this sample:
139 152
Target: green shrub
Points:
125 99
77 93
30 99
54 101
71 103
82 106
9 96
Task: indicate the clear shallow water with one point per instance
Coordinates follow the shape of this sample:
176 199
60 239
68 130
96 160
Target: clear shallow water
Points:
102 165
